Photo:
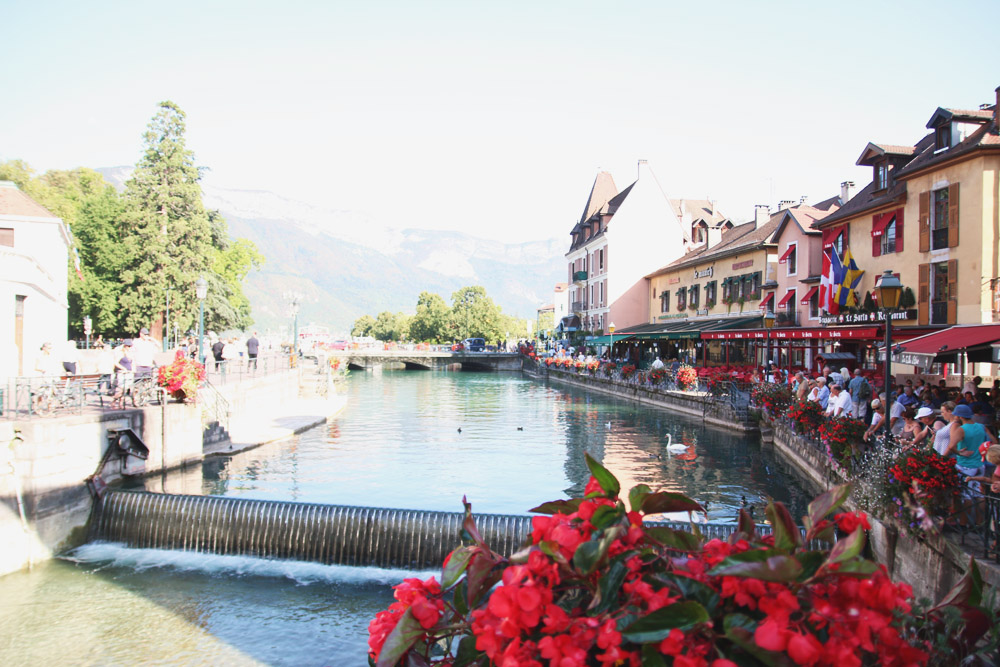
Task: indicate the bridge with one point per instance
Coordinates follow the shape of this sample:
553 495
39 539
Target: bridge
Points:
370 359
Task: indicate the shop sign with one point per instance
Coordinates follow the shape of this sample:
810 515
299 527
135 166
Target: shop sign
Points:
866 318
734 335
704 273
674 280
675 316
742 265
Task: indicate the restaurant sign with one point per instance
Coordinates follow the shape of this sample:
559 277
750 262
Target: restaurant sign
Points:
704 273
867 318
673 280
742 265
675 316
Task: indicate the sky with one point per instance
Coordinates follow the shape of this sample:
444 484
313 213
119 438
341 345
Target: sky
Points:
493 118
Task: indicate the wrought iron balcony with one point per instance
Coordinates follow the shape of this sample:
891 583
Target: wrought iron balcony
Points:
787 318
579 276
578 306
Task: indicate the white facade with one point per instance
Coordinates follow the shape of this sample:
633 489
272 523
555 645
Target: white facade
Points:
34 256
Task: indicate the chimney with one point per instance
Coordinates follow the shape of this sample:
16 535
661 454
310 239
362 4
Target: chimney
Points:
996 112
712 202
785 203
802 200
846 192
713 235
761 213
638 168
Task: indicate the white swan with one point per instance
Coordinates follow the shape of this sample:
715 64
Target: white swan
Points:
608 426
675 449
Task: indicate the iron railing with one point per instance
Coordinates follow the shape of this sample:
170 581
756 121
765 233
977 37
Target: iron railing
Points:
29 397
215 406
225 372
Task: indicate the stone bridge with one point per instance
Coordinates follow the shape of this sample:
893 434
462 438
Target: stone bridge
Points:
428 360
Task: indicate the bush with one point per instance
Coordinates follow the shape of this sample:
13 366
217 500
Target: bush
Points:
842 435
806 415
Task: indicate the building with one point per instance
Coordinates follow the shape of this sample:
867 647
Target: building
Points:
642 228
34 259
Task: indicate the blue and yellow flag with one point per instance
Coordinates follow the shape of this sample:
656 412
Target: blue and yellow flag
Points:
848 277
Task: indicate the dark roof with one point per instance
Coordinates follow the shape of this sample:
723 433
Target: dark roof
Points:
868 199
609 208
942 115
985 137
738 239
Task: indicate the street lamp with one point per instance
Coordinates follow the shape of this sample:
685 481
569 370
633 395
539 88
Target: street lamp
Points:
888 289
611 330
166 329
88 325
201 290
768 325
294 300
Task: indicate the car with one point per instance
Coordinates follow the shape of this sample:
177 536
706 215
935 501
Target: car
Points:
474 344
457 347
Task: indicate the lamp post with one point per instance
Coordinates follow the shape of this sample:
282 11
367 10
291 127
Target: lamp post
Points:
294 300
768 325
166 329
87 328
888 289
611 330
201 290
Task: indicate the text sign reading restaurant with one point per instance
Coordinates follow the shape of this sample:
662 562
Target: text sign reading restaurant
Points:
792 334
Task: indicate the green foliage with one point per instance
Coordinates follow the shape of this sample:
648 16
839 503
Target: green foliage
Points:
231 263
907 300
430 324
391 326
363 326
474 315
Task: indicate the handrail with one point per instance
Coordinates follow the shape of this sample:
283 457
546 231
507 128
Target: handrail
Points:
218 406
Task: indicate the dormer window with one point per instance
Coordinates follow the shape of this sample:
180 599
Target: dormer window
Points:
942 137
882 175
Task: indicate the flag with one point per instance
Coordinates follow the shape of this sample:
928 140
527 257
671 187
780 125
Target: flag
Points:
828 282
76 264
850 277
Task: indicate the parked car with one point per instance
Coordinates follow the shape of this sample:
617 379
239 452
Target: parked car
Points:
457 347
474 344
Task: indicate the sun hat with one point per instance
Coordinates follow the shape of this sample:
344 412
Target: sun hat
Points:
127 342
143 331
876 404
963 411
924 412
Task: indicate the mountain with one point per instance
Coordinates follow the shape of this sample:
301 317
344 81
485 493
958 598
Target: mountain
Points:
346 265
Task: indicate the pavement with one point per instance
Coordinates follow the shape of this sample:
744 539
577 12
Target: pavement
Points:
276 422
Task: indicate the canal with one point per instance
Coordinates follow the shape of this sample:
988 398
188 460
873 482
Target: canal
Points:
418 440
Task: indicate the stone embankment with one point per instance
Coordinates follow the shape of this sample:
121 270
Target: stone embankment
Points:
45 461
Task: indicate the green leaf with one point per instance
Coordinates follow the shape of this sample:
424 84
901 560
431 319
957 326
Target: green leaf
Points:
786 533
400 640
651 656
587 556
609 483
637 495
461 598
847 548
674 539
656 626
778 568
811 562
668 501
691 589
968 592
742 636
467 653
859 567
455 568
827 502
605 516
611 583
469 530
745 528
558 506
480 574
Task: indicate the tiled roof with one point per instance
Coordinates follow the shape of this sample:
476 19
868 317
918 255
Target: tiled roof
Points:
698 209
601 191
806 215
984 136
609 208
865 200
15 202
740 238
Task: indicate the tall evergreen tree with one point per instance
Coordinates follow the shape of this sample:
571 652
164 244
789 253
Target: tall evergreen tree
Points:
170 242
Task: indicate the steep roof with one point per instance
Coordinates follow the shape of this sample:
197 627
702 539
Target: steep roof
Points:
601 191
985 137
699 209
15 202
806 215
738 239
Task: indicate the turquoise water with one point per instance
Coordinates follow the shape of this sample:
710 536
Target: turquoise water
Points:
397 444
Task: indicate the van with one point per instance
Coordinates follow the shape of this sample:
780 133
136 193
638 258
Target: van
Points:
474 344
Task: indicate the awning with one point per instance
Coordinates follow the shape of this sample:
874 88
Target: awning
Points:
788 253
785 299
606 340
767 300
878 227
942 346
809 295
689 329
814 333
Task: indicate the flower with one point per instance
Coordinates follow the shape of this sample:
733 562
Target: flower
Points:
181 375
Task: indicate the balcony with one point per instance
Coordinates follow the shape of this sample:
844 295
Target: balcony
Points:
579 276
787 318
939 312
578 306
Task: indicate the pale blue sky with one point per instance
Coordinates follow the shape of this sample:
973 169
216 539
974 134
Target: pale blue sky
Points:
493 117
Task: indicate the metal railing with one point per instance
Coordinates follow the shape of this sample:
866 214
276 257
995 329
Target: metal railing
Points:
229 371
28 397
215 406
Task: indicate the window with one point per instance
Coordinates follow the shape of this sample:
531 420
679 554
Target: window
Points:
7 236
602 292
939 293
755 285
939 219
888 243
665 302
814 305
710 295
600 259
694 290
882 175
942 137
681 299
792 262
838 244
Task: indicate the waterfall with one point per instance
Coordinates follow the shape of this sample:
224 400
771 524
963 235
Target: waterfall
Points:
329 534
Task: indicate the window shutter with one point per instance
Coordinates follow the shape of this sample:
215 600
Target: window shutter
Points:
924 223
899 230
952 216
952 291
876 240
923 293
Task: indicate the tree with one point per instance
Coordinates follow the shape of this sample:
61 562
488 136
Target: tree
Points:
170 241
430 324
363 326
391 326
474 315
231 262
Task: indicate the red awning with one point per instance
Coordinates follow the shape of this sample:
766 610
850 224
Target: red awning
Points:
954 339
878 227
767 300
816 333
789 295
809 295
788 253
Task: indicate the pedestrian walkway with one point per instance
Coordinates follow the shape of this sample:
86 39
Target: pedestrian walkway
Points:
276 422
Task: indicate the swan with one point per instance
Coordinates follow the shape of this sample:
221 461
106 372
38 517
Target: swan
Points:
671 447
608 426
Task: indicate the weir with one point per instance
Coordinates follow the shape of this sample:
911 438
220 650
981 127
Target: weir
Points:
328 534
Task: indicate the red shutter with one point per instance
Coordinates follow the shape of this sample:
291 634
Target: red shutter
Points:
876 240
899 230
924 222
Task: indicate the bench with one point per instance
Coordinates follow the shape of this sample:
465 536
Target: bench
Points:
89 385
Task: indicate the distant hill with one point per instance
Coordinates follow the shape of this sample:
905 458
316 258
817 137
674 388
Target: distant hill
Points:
347 265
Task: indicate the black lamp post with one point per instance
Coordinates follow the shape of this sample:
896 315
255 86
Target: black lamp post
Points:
611 330
768 325
201 290
889 289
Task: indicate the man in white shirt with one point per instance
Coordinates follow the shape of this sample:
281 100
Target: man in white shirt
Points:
840 402
143 349
657 364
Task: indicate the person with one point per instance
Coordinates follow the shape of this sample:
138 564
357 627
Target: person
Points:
143 349
124 374
993 458
907 398
910 426
966 437
45 363
803 386
942 434
217 349
106 368
253 347
70 357
972 385
861 394
896 418
820 393
839 404
657 364
924 433
878 416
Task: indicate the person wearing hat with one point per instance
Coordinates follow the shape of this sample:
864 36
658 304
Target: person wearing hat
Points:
878 417
966 437
925 432
123 374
